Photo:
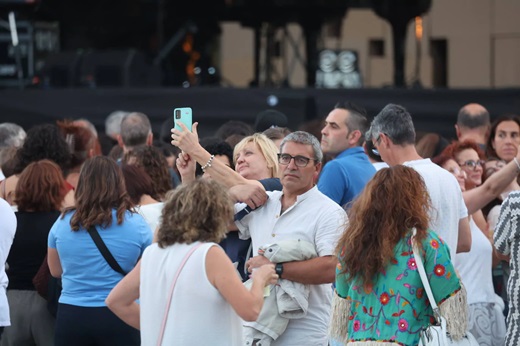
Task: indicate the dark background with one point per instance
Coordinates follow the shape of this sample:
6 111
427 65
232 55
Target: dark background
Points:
74 79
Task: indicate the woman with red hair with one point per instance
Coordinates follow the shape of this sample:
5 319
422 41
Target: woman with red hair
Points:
39 194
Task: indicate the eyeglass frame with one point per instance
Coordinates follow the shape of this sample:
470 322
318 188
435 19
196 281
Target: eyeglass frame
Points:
308 159
378 139
474 164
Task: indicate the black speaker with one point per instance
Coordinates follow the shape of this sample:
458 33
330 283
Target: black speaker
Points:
61 70
117 68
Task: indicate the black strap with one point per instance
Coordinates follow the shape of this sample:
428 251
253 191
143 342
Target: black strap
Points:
104 250
240 215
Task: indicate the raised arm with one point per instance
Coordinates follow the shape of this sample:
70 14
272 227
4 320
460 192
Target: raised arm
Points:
188 142
478 197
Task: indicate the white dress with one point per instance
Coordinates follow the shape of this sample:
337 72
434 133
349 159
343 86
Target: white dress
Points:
152 214
485 319
198 314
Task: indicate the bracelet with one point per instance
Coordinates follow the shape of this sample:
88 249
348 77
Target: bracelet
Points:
517 164
208 164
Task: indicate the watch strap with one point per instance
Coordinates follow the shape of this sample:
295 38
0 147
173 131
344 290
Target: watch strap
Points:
278 268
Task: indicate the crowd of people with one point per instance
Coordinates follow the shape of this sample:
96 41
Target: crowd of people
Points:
261 234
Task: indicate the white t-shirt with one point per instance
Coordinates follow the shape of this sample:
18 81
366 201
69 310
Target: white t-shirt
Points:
152 214
447 201
198 314
7 231
379 165
314 218
475 268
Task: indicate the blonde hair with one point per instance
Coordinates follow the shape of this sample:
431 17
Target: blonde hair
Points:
197 211
267 148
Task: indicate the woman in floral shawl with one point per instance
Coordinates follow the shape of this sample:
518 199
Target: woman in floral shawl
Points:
380 299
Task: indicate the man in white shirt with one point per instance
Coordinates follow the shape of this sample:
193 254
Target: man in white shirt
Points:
393 135
7 230
300 211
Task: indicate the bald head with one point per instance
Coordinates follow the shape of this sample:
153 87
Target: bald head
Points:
473 116
473 123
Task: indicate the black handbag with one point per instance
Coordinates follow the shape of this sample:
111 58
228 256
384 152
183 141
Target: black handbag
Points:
48 287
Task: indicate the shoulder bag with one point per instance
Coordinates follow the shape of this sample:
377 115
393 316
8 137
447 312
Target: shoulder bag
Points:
172 287
436 335
104 250
48 287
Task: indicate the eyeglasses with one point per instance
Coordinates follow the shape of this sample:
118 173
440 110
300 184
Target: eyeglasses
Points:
473 164
300 161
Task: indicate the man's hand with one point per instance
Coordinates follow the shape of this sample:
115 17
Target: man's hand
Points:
253 194
256 262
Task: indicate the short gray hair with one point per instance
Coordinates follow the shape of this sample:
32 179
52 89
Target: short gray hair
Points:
135 128
302 137
395 122
113 122
11 135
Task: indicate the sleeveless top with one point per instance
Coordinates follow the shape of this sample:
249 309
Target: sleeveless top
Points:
198 314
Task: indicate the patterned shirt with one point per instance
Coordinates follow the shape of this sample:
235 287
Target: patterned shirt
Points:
395 307
507 242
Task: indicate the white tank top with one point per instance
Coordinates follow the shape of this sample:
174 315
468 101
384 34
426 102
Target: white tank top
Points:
198 314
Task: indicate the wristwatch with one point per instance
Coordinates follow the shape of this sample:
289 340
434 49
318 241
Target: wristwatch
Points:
278 268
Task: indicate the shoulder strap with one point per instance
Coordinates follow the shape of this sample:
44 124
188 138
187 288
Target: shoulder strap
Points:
104 250
424 278
172 287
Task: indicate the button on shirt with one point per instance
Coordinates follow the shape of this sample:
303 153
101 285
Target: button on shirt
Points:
314 218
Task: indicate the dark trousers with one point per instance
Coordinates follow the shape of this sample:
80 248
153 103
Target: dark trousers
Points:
89 326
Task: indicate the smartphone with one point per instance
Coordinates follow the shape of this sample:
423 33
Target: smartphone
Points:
184 115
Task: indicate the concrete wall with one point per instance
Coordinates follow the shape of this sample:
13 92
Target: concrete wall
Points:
483 39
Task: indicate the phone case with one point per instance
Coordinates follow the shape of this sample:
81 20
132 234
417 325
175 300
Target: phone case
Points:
184 115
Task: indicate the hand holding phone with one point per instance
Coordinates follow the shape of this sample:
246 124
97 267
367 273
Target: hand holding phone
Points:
183 115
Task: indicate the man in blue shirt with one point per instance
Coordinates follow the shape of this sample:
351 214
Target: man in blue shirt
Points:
343 178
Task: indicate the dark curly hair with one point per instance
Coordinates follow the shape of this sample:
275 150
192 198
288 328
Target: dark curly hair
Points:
43 142
153 161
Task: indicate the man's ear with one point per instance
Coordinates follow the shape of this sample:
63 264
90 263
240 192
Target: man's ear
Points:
149 140
354 137
385 140
457 130
319 165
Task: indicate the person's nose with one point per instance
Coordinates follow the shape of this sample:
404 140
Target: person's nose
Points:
325 130
292 164
240 159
